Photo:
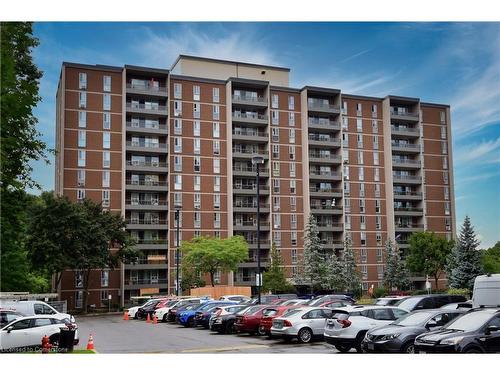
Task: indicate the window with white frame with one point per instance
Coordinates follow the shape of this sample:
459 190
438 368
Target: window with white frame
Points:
178 199
347 221
82 119
82 96
276 185
362 207
344 107
293 187
274 101
216 183
291 152
216 165
177 126
362 190
293 221
376 174
380 271
82 81
197 182
445 177
345 156
445 162
347 205
177 108
447 223
216 130
197 201
106 140
106 198
375 158
106 120
361 173
215 95
275 117
374 110
104 278
346 172
293 169
217 217
345 123
82 139
347 188
442 117
177 144
363 255
294 256
81 158
360 157
377 206
216 112
345 140
275 151
363 238
291 102
106 159
106 102
177 163
378 222
293 204
362 222
78 279
197 219
378 237
377 190
364 272
446 208
277 238
359 109
196 110
275 134
444 147
81 177
291 119
177 182
374 126
359 125
276 168
446 192
360 140
443 132
80 194
197 145
276 221
375 142
106 177
216 147
291 135
106 83
177 90
197 163
196 128
196 93
216 201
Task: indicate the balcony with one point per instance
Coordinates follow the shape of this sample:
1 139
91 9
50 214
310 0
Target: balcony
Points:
141 185
326 209
405 131
248 154
405 116
143 146
252 263
250 225
249 118
243 170
316 157
409 228
406 147
249 207
323 124
145 283
406 163
408 211
329 245
330 227
411 180
142 128
147 109
150 205
407 195
251 135
150 224
146 89
317 140
323 108
146 166
250 189
149 244
250 101
324 176
264 244
244 280
325 192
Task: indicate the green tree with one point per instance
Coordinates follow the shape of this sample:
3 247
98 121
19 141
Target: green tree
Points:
428 254
350 277
88 237
190 278
274 279
209 255
464 262
396 274
491 259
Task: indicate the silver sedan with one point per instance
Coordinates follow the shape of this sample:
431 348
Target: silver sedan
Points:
303 323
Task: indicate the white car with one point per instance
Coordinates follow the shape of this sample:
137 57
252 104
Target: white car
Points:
294 302
132 311
388 301
303 323
347 328
237 298
28 331
29 308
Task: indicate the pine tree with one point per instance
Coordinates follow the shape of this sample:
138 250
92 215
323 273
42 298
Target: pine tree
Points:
274 279
396 274
350 277
464 262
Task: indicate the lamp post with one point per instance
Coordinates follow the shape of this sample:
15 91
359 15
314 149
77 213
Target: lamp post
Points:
177 219
257 160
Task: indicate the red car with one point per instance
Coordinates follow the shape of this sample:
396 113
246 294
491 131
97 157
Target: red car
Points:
268 315
248 320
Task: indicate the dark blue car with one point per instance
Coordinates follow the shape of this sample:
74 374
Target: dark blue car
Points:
186 317
203 314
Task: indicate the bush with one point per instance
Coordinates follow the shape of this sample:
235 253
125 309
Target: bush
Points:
379 292
459 292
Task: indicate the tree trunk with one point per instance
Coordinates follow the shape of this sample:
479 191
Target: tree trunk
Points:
86 277
212 278
436 277
58 281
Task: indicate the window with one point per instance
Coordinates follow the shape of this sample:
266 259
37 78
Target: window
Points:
106 120
106 102
196 146
444 147
177 91
177 163
291 151
293 204
82 81
361 173
363 255
177 108
178 126
378 237
276 186
196 128
216 130
347 205
275 116
375 158
80 194
376 174
346 172
291 119
291 135
344 107
360 157
275 101
276 168
276 151
378 222
81 158
197 183
197 219
345 156
104 278
196 110
217 201
216 183
291 102
216 112
359 109
345 140
178 182
345 123
374 110
293 222
106 83
447 223
216 165
196 93
362 206
294 255
446 208
362 222
178 199
275 134
106 140
215 95
80 177
377 190
443 132
347 188
105 198
374 126
361 190
106 159
377 206
445 177
217 219
363 238
81 138
197 163
293 187
293 169
216 147
105 178
442 117
446 192
277 238
364 272
177 144
347 221
360 141
445 162
375 142
359 125
82 100
82 119
277 221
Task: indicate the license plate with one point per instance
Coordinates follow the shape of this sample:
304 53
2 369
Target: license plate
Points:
278 325
371 346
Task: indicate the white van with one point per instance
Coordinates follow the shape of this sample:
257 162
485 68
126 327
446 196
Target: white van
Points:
486 291
30 308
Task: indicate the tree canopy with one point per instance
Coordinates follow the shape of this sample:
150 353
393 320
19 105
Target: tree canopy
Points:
491 259
350 278
396 274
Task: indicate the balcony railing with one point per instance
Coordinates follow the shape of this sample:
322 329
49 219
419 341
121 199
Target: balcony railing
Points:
146 221
148 261
249 187
314 189
158 108
245 168
146 86
250 223
408 146
147 144
329 224
324 173
408 178
408 193
137 163
406 161
151 241
149 202
409 226
323 156
145 281
323 106
249 205
409 114
146 183
249 132
142 125
245 151
316 137
251 116
322 121
325 207
249 98
254 242
408 209
404 129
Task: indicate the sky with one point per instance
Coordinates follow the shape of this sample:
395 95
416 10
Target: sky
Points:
452 63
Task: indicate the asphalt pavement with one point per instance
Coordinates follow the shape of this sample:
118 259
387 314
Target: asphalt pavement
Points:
112 334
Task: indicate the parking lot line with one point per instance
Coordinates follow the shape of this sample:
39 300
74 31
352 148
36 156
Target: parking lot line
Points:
226 348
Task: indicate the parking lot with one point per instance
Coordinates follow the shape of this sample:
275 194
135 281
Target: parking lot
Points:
114 335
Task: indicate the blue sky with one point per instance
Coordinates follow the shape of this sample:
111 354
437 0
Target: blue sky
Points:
454 63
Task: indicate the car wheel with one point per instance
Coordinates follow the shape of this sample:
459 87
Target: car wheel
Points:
262 331
230 327
305 335
359 340
472 350
408 348
136 316
190 322
342 348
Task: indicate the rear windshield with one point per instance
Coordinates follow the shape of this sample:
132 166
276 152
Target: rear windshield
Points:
414 319
252 310
269 312
408 303
291 312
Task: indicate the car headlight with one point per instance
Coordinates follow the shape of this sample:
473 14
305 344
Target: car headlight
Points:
452 341
390 337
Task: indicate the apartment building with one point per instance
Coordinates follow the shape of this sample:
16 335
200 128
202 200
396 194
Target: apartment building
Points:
172 150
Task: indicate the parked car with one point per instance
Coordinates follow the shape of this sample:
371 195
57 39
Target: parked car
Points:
248 320
293 302
238 298
335 304
7 316
28 331
133 311
317 301
29 308
268 316
268 298
203 313
462 306
173 313
399 336
389 300
185 315
224 321
428 301
347 327
486 292
149 309
477 331
162 313
303 323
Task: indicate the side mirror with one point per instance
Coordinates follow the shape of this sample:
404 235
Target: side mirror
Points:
490 329
9 329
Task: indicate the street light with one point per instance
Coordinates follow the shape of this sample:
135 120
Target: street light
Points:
257 160
177 218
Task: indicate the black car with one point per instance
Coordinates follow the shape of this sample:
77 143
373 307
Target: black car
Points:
428 301
399 336
477 331
225 323
202 316
148 309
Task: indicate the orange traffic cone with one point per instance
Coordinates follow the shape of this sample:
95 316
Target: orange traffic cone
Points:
155 320
90 344
148 319
125 315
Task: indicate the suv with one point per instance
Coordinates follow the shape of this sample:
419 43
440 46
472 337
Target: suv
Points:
477 331
348 326
428 301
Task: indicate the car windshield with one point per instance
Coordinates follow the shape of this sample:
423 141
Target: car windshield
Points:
192 307
206 307
269 312
413 319
291 312
251 310
382 302
469 322
408 303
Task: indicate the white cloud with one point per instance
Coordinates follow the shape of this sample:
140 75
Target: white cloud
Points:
477 177
485 151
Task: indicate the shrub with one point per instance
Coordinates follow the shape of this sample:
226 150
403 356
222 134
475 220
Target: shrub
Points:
379 292
459 292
